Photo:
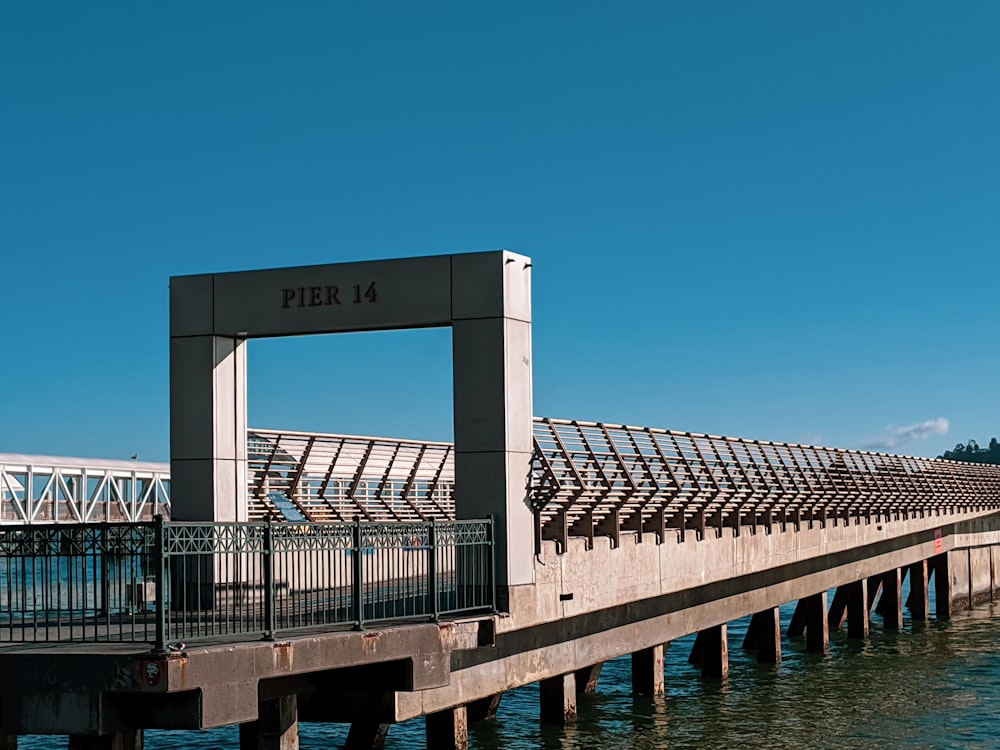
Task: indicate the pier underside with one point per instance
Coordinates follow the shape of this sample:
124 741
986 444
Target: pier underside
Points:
587 606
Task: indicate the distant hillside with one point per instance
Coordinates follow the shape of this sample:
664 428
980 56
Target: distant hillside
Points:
972 452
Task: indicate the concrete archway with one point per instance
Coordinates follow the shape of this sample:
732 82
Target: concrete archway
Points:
484 297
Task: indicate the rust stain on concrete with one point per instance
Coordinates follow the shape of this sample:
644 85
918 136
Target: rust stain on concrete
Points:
284 656
369 642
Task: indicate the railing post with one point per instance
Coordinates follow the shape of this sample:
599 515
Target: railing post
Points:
160 573
359 580
432 583
270 618
104 607
491 562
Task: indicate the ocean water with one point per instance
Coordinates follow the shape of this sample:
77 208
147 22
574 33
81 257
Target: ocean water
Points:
933 685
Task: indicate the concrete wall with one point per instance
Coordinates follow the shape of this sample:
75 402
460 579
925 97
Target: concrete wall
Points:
593 605
583 580
972 575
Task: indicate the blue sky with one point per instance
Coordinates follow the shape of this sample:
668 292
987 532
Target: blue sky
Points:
775 220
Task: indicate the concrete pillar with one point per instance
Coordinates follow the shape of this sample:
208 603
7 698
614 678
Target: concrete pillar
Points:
276 728
764 636
448 729
797 625
817 625
557 696
492 365
918 602
942 586
647 671
366 735
874 589
711 651
484 709
890 604
127 739
838 608
857 609
587 679
208 444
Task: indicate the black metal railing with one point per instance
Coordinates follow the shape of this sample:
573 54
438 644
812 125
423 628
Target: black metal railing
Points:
168 582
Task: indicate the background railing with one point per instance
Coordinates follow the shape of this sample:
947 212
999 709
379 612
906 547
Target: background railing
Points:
164 583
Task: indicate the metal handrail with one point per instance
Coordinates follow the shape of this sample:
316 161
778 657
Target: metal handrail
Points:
167 582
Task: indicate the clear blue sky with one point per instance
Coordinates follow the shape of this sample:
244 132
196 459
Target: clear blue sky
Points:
774 219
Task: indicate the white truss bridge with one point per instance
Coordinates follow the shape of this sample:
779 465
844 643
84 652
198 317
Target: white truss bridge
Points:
58 489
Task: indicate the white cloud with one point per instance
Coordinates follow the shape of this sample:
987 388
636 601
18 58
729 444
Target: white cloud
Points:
897 436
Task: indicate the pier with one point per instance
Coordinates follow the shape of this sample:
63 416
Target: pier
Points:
297 577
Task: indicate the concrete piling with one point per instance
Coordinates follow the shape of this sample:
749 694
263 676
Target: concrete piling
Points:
838 608
448 729
918 602
587 678
484 709
942 586
891 602
276 728
711 651
857 609
366 735
557 696
817 626
764 636
647 671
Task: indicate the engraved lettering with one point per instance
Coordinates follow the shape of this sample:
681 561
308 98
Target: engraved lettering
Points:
326 295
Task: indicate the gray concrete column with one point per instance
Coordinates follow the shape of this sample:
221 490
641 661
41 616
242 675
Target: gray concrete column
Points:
484 709
587 679
764 636
918 602
366 735
891 603
448 729
491 343
857 609
276 728
557 696
817 625
208 442
942 586
711 651
647 671
127 739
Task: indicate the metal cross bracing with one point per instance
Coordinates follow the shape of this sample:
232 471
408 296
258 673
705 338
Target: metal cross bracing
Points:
50 489
323 478
591 479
